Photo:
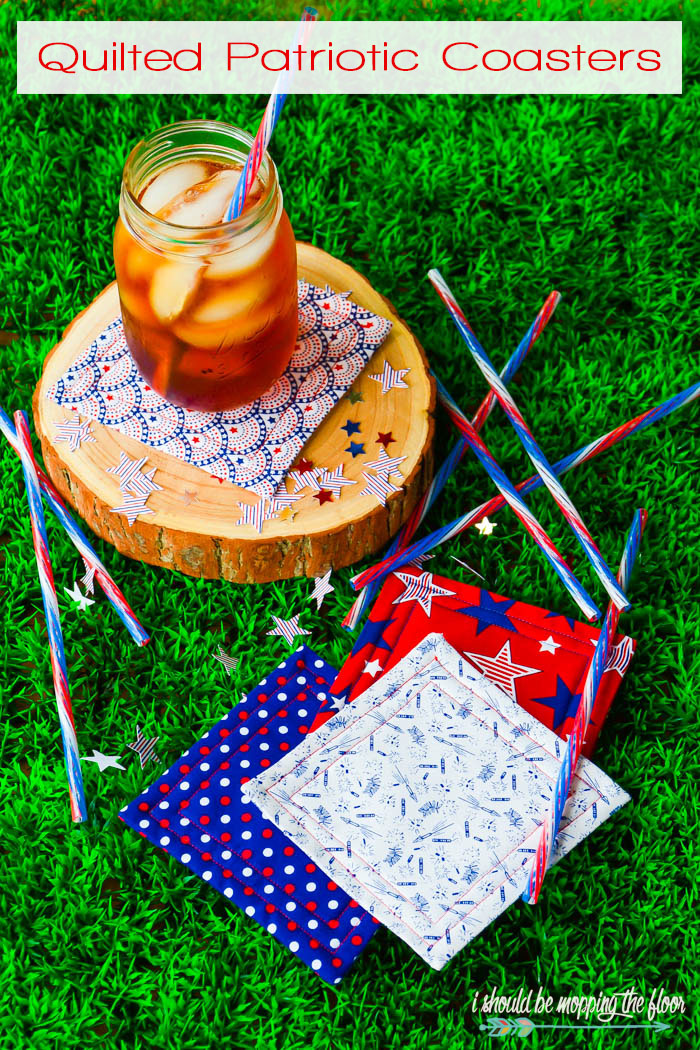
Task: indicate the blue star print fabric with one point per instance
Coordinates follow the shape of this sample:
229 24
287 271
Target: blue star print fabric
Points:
199 813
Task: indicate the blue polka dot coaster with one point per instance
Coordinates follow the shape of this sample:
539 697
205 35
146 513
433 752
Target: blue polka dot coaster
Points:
198 812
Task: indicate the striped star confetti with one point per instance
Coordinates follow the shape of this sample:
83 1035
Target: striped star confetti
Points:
131 477
256 514
144 747
230 663
420 589
88 580
386 464
334 480
391 378
288 629
379 487
283 500
322 588
132 507
74 432
620 656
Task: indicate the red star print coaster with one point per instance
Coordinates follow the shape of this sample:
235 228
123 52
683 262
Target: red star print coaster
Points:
199 813
538 658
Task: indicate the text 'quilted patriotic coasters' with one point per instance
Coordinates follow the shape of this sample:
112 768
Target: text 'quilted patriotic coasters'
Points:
199 813
538 657
252 446
425 799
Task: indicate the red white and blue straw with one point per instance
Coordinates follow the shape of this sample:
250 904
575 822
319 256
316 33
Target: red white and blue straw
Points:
520 508
394 561
550 827
80 541
410 527
527 438
267 124
53 622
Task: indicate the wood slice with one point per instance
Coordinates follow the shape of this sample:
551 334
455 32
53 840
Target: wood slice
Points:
199 537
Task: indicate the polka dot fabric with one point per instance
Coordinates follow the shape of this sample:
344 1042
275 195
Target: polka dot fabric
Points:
199 813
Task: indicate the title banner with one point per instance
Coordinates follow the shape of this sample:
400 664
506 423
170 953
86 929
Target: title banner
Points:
350 57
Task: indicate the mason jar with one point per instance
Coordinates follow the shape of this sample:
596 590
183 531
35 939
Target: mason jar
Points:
209 307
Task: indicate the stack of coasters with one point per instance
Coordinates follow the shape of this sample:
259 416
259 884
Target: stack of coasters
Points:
425 798
199 813
252 446
538 657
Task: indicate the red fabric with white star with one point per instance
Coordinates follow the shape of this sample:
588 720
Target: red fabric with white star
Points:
538 657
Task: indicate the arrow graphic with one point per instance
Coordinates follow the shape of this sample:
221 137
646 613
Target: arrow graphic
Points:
523 1026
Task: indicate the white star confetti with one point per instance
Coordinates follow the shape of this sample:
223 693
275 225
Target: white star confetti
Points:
131 477
549 645
485 527
132 507
321 589
386 464
391 378
80 599
74 432
420 589
103 761
288 629
379 487
230 662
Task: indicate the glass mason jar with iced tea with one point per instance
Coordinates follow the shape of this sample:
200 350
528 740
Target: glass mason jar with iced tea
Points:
209 307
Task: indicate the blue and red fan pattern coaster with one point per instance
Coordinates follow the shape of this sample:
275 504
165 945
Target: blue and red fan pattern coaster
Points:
537 656
198 812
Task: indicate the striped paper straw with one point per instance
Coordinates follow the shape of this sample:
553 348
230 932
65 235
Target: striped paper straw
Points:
550 827
267 124
594 448
80 541
417 516
53 623
527 438
521 509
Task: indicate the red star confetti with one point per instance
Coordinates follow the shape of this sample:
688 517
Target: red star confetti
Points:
324 496
385 439
391 378
288 629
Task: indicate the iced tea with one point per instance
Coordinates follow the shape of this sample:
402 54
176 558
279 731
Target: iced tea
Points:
209 308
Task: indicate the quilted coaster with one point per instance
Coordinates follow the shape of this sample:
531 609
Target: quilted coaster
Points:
538 657
425 799
252 446
199 813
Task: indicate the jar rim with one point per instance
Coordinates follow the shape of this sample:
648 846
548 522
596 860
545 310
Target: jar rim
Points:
221 230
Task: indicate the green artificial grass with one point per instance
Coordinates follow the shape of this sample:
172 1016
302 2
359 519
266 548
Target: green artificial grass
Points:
107 942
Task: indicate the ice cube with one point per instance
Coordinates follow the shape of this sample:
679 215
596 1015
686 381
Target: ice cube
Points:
230 303
242 258
170 184
205 203
172 287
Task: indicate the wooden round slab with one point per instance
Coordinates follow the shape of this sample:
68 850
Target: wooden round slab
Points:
192 528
